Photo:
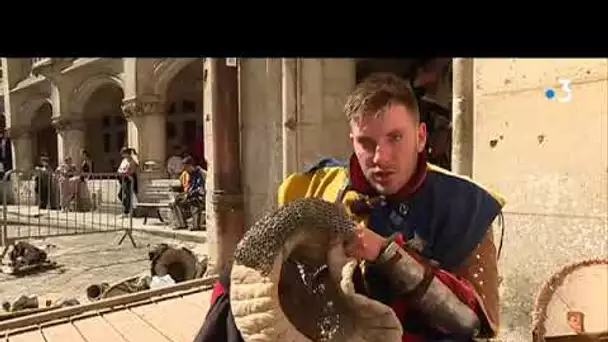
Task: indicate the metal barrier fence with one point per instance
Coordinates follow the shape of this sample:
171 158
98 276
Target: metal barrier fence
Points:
40 204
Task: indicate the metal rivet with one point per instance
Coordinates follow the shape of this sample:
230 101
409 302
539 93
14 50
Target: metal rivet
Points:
481 269
481 282
478 256
475 275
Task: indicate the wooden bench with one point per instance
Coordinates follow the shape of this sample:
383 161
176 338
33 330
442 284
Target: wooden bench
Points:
156 195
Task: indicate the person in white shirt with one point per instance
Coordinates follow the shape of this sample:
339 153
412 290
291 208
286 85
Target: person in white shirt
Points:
174 163
67 182
128 171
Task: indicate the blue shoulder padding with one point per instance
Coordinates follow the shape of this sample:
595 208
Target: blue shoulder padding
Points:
324 162
450 214
455 214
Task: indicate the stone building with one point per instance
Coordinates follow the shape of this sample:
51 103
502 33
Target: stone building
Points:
548 158
59 106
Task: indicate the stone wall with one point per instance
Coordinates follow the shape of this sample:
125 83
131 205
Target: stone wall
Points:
549 159
291 116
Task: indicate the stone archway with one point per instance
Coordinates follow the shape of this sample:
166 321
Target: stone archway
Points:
167 69
43 134
183 96
105 128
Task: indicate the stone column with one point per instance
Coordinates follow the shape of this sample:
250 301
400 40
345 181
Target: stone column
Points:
314 92
147 132
70 137
23 160
261 133
21 139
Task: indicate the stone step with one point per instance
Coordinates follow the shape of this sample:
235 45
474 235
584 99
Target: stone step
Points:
168 183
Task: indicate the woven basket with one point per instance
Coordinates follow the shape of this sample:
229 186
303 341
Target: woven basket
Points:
573 304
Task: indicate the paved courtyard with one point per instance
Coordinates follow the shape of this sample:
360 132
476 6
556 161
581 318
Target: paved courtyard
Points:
84 260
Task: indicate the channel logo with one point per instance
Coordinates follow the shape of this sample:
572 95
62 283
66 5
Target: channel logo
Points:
565 89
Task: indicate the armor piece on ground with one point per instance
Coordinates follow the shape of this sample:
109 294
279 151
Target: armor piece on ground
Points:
96 291
125 286
24 302
6 305
25 254
143 282
64 302
571 305
292 281
179 263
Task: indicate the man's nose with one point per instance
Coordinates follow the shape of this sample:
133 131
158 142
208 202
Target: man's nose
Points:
381 155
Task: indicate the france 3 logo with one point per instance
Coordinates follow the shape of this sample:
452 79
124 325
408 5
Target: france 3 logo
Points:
565 90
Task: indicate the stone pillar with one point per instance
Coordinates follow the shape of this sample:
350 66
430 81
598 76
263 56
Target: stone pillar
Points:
314 93
70 137
463 116
261 134
21 138
147 132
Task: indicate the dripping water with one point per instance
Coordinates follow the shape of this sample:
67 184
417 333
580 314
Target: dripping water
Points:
313 278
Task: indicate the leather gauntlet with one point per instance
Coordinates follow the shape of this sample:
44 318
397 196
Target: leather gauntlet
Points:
414 278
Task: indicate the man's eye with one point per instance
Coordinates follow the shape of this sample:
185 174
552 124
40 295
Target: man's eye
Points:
367 144
395 138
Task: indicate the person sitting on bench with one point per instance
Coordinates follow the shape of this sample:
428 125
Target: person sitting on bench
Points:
192 195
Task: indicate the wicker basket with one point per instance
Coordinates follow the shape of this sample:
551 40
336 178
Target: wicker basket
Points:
573 304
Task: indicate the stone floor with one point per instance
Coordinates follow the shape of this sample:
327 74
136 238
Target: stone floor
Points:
85 260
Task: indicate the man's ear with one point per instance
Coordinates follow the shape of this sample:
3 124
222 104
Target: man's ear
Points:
422 135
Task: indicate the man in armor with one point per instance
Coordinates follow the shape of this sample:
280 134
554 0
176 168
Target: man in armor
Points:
424 234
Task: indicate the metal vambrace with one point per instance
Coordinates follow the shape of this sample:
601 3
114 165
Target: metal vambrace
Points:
415 279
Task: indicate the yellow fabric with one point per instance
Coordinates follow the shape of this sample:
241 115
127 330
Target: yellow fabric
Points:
326 183
184 178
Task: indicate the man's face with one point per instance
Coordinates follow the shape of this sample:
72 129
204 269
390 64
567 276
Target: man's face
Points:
387 147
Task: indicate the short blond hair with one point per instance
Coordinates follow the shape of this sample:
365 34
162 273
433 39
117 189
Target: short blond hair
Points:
375 93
